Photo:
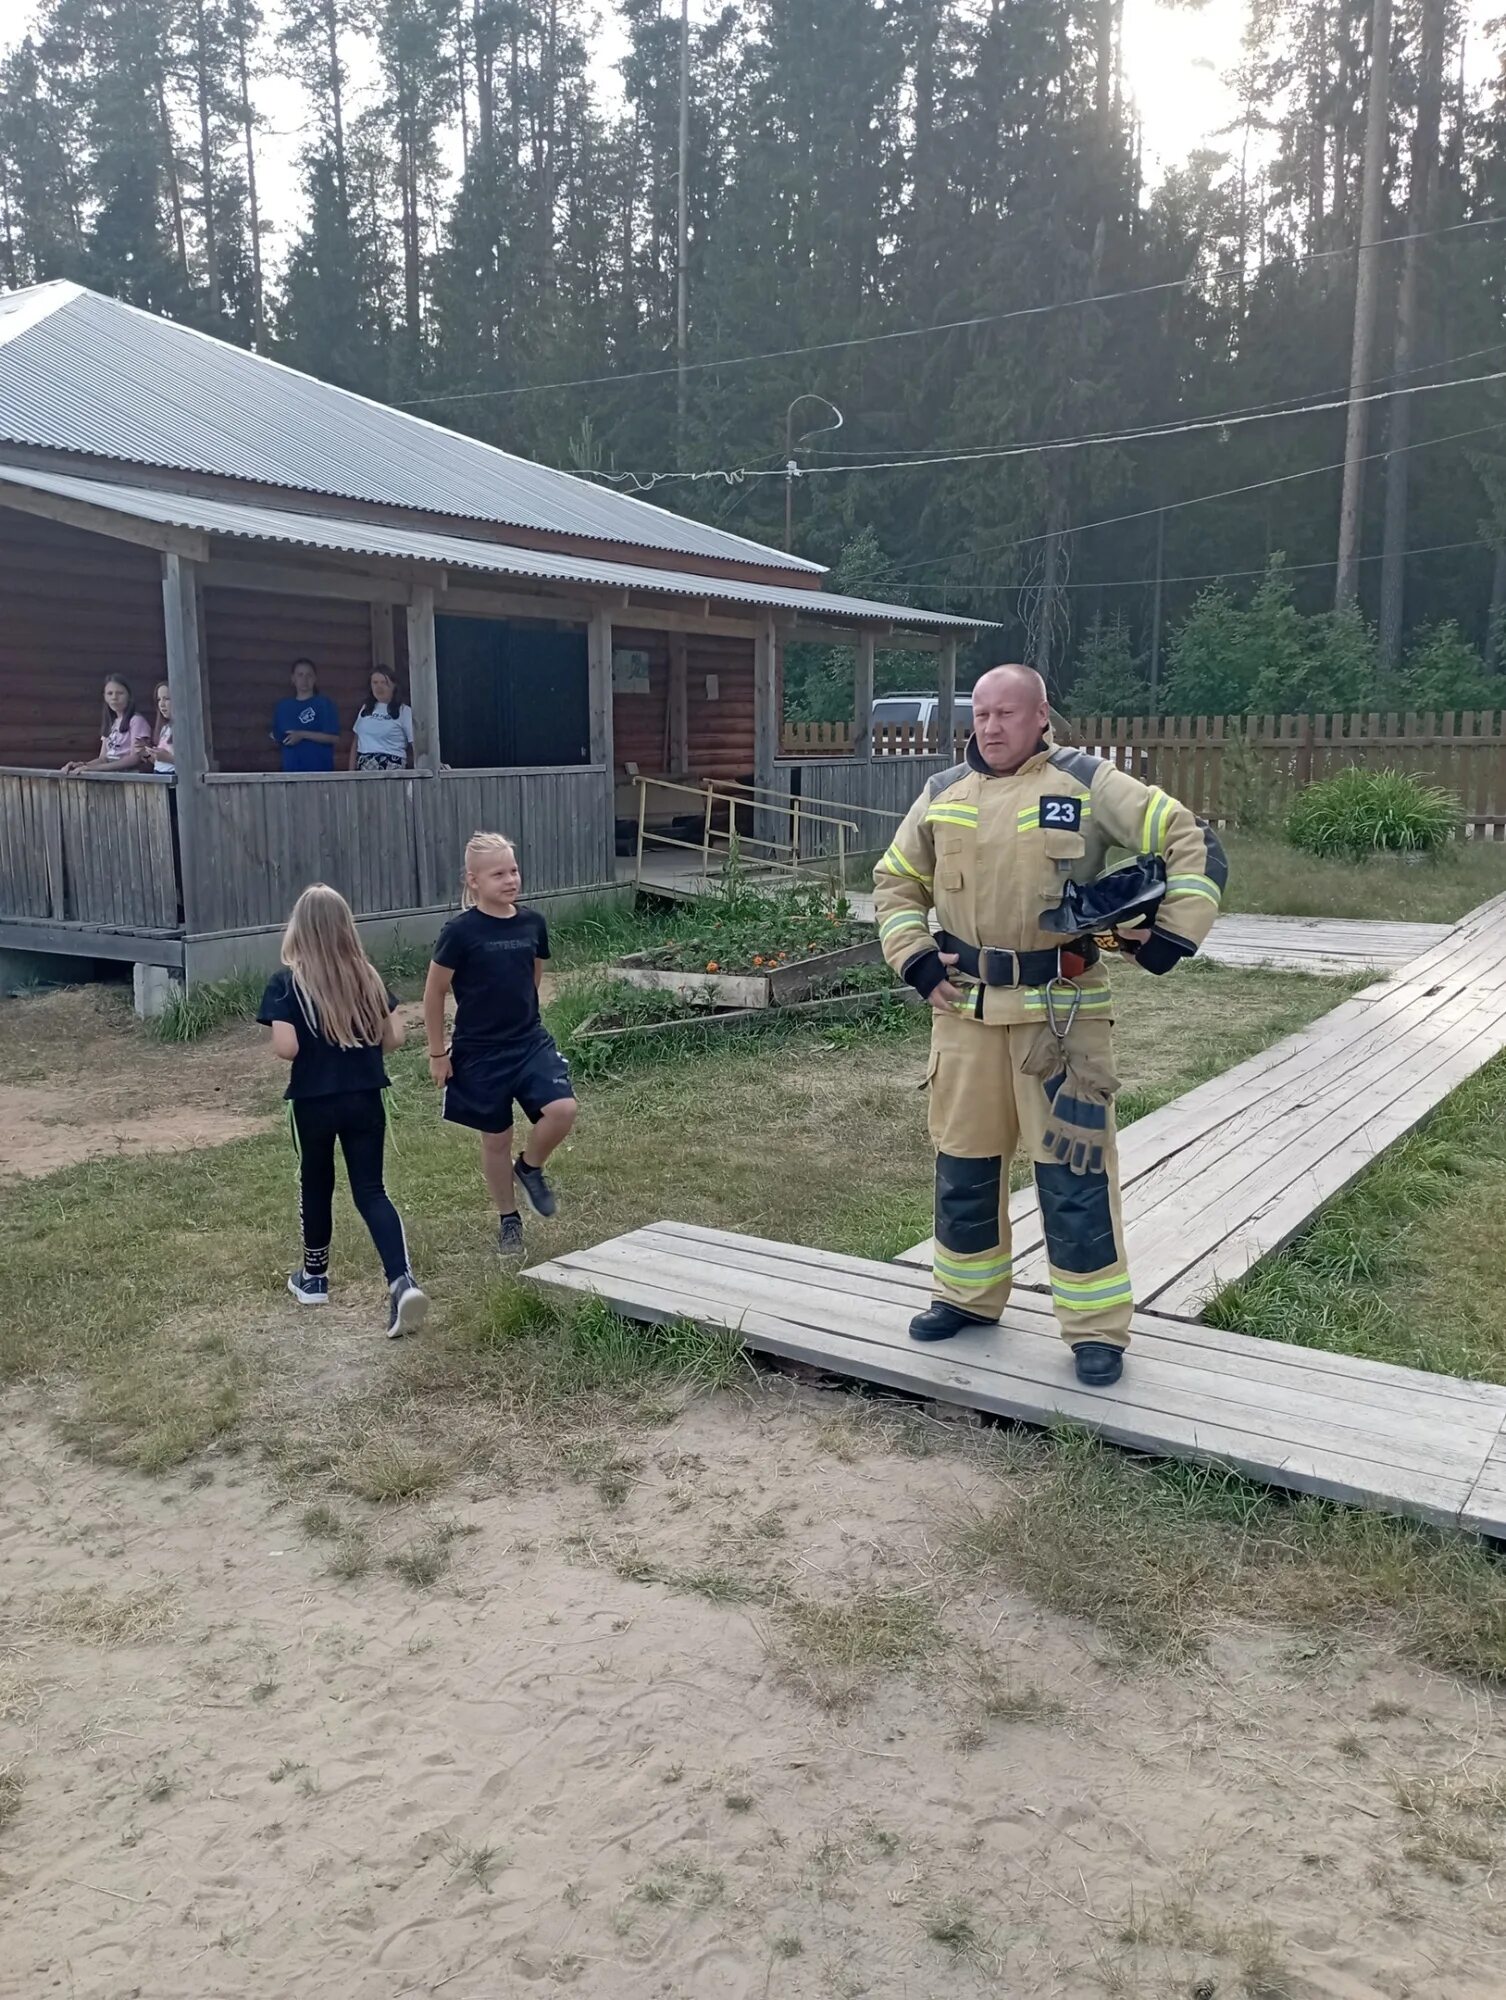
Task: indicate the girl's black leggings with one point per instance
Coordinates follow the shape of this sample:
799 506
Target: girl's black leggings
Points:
357 1119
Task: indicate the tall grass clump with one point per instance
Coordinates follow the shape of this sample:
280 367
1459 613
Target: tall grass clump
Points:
1357 813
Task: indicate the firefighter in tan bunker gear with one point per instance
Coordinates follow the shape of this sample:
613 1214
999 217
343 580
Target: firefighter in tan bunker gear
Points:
1021 1030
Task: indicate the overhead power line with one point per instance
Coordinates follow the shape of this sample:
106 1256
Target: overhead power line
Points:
1227 575
1173 506
919 332
1142 433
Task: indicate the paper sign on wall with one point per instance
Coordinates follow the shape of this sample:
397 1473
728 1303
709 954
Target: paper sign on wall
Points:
713 687
629 670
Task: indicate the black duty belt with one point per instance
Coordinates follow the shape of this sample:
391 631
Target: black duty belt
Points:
992 965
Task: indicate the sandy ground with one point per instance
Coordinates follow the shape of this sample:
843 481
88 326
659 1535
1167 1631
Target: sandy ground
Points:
538 1776
76 1088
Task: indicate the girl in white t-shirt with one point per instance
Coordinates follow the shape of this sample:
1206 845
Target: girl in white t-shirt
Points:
162 733
382 733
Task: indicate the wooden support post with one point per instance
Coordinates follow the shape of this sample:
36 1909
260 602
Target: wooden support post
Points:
383 640
599 664
766 716
862 699
185 681
423 679
946 701
679 707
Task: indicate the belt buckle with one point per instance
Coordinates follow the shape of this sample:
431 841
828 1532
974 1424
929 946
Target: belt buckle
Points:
988 951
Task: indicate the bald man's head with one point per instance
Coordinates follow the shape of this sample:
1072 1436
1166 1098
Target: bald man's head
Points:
1010 716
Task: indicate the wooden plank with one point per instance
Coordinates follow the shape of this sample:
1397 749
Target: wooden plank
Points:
946 697
862 699
423 680
185 679
294 580
1022 1371
1352 1394
599 669
679 714
1484 1510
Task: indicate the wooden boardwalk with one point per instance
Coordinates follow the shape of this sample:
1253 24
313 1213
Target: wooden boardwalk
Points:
1330 946
1293 1417
1222 1177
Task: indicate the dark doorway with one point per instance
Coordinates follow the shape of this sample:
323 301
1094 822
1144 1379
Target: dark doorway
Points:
511 694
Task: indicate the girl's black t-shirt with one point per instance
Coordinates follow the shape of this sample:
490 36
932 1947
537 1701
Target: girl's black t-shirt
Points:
492 958
321 1068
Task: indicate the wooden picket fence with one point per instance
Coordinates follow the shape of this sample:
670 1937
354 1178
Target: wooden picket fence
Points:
1233 768
834 739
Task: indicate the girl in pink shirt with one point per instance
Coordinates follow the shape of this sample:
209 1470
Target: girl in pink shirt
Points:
125 737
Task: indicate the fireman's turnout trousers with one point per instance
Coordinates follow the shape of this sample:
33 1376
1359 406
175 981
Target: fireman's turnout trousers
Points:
984 1108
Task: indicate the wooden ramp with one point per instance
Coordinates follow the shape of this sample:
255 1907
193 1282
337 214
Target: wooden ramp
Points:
1231 1172
1329 946
1328 1424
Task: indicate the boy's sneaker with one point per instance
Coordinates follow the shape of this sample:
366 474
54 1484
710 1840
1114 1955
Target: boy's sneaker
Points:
536 1190
309 1290
510 1237
406 1307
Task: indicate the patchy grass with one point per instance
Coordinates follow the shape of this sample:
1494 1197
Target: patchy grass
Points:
1269 876
321 1523
422 1563
1193 1543
387 1467
833 1650
1404 1267
91 1615
12 1791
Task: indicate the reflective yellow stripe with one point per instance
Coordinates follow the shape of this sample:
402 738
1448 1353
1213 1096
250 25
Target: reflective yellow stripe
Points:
1194 885
1092 1298
968 1274
895 864
1157 810
902 920
953 815
1098 996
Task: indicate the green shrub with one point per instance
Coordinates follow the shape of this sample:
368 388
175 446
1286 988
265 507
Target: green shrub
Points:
1367 812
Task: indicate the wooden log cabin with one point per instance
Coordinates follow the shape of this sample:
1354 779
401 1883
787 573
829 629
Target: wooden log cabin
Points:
175 509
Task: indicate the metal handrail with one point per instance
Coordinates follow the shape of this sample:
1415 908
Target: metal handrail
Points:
731 793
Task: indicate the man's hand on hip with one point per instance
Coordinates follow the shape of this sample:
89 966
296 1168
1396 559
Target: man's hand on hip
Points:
945 997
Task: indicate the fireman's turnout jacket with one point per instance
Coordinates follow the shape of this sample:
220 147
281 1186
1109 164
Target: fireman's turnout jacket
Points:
990 853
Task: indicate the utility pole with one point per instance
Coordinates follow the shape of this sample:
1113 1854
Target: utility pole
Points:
682 238
1369 253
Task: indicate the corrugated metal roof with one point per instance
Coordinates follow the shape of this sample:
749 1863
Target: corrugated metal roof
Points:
338 536
84 373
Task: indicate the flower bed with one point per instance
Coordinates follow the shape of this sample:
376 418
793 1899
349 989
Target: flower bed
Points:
746 949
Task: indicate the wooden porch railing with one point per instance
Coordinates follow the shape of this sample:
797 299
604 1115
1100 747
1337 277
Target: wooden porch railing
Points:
96 851
834 739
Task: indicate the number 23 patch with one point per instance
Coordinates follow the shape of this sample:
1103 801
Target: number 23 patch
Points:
1062 813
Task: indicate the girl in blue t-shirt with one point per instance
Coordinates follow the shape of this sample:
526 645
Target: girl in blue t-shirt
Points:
333 1019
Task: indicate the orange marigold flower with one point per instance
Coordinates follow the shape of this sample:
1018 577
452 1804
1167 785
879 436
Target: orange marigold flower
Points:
711 965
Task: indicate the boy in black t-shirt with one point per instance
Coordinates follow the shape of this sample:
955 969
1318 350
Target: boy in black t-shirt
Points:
491 957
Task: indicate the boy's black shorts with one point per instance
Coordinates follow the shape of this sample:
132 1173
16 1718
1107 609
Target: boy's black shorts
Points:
484 1082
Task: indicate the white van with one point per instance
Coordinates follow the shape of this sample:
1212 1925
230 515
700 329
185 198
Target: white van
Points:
920 709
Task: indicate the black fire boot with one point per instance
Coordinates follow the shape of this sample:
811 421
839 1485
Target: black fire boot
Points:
1098 1362
940 1321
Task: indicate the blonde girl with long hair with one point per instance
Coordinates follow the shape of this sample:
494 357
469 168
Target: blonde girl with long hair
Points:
491 958
333 1019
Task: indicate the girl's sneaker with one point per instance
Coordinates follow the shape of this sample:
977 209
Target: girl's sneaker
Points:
309 1290
406 1307
535 1189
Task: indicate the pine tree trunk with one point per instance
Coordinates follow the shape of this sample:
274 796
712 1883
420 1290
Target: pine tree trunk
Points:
1420 205
1317 155
465 112
258 303
1493 633
1366 297
170 161
547 177
336 102
206 162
